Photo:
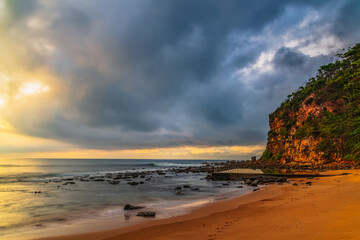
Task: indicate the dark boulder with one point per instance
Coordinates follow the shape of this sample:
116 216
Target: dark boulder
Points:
253 184
114 182
132 207
146 214
133 183
98 180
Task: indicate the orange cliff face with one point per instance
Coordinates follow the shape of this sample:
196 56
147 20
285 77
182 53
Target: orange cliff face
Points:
320 122
285 143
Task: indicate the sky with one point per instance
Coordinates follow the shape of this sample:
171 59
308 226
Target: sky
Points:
177 79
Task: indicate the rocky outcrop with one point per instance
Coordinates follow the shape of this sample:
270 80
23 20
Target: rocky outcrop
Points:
317 124
290 146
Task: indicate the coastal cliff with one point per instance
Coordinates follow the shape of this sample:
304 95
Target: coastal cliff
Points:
320 122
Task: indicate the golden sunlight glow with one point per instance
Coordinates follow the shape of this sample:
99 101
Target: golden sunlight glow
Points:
31 88
4 78
2 101
14 144
186 152
5 125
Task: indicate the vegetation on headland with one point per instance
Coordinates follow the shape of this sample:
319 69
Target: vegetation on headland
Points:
333 100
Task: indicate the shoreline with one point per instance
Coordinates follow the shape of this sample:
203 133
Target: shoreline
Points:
211 207
327 209
171 209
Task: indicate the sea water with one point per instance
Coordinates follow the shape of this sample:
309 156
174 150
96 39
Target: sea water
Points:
35 203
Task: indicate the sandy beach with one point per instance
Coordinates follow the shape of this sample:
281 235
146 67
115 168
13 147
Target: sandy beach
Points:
328 209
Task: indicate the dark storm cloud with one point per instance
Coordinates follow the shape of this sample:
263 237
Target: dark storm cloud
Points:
286 57
347 22
137 74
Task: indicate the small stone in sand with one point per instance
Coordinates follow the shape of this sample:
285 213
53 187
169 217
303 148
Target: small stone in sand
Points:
146 214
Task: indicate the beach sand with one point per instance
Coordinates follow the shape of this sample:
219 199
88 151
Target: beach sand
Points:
328 209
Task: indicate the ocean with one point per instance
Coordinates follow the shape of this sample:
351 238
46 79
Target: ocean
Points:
35 200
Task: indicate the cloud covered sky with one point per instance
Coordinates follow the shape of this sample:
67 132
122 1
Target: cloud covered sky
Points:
154 78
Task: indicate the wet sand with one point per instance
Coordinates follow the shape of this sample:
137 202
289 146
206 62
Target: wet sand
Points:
328 209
